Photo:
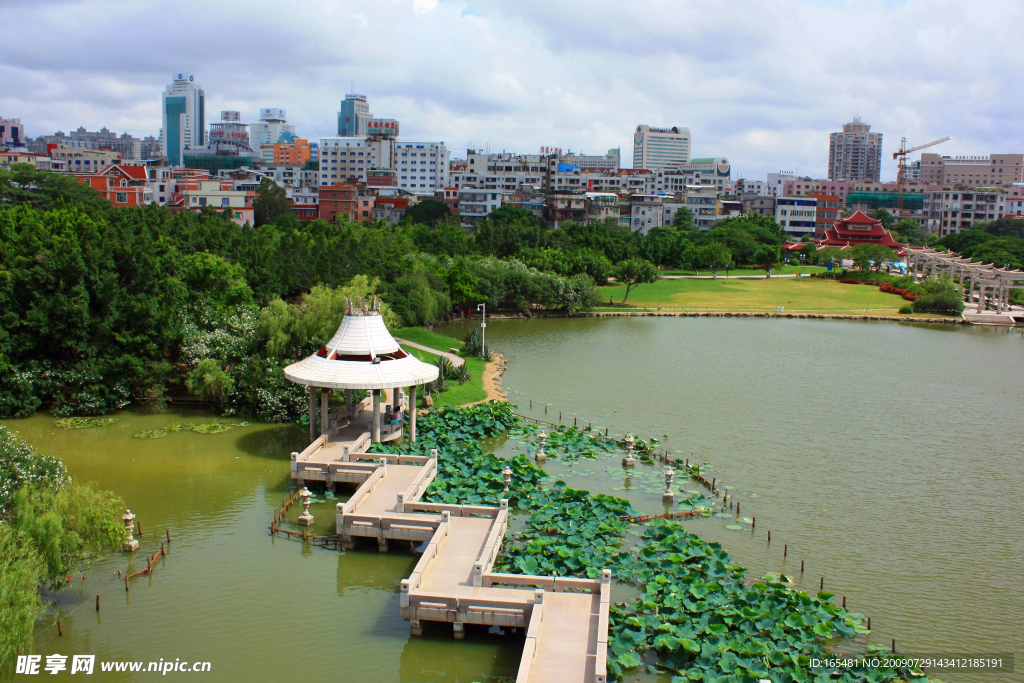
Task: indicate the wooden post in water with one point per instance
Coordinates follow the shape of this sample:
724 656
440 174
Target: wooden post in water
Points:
801 566
869 623
785 549
822 586
769 536
97 603
893 644
844 602
60 632
168 531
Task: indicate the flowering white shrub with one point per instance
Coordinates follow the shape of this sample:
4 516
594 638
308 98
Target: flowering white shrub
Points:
21 465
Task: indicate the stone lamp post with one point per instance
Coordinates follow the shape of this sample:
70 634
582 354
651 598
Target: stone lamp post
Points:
130 544
506 474
668 496
629 460
305 519
541 455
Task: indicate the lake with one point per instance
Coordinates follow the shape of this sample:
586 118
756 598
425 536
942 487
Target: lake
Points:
885 456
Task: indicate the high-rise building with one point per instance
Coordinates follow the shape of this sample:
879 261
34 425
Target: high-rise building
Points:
855 153
184 117
272 125
354 115
660 148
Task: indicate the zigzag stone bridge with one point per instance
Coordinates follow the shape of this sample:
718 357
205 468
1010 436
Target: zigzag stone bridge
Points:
566 619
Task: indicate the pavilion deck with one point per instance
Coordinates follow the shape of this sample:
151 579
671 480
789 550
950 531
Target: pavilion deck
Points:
331 456
453 582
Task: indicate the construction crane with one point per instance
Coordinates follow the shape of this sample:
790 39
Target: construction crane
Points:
901 176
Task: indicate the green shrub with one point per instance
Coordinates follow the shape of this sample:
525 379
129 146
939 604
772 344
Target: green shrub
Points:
940 296
906 309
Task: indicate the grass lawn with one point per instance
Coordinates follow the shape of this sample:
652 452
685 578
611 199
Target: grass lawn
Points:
421 335
457 394
796 294
780 270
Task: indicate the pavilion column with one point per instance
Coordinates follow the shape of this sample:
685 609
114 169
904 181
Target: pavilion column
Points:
375 420
349 408
412 413
312 413
325 395
981 297
970 292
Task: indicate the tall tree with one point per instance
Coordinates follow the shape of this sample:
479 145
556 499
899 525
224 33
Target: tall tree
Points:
271 202
714 255
766 257
888 220
428 212
635 271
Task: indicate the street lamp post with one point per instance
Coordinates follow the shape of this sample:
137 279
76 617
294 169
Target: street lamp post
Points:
483 330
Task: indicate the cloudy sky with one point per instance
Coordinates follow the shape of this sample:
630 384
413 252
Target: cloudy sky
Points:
762 83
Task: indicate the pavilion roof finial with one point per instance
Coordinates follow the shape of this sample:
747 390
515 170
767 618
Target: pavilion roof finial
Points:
360 306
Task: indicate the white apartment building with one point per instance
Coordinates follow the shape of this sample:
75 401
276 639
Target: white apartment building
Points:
83 160
777 181
602 205
348 159
475 204
609 162
1014 201
220 195
648 211
421 167
796 215
660 148
948 212
703 204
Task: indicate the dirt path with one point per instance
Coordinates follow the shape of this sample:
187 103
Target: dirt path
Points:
492 379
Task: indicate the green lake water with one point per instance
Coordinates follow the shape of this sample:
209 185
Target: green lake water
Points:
887 457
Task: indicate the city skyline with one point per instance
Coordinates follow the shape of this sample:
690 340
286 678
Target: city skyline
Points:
516 78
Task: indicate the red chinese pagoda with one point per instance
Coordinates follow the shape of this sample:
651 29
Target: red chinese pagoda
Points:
856 229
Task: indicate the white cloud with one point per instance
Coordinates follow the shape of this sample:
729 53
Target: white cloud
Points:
760 83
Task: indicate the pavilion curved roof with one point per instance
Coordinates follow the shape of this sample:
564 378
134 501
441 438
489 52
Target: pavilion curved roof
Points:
362 354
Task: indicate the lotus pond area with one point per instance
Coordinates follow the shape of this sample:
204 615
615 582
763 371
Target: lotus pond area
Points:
882 457
701 598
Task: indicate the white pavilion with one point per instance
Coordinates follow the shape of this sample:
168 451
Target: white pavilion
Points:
362 354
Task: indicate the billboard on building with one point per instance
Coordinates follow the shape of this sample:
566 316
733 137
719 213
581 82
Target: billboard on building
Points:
382 127
230 116
273 114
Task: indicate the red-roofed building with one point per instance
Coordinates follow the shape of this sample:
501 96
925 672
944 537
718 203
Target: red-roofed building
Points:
121 185
856 229
390 209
